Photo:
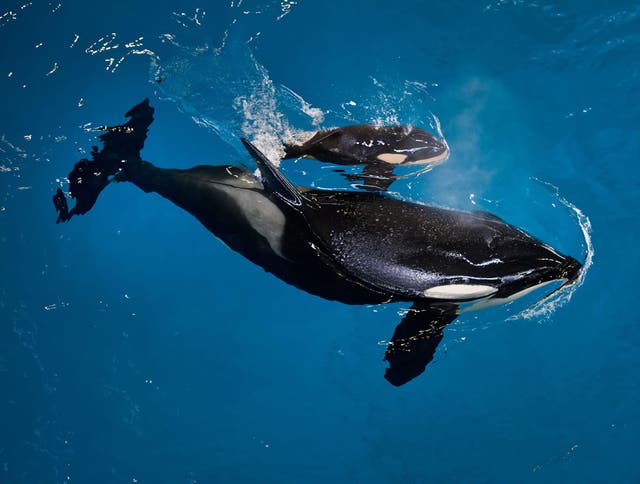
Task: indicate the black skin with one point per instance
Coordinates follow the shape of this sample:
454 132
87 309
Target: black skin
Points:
198 191
60 203
362 144
89 177
318 254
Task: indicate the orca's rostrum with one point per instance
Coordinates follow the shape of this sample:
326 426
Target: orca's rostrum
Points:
355 247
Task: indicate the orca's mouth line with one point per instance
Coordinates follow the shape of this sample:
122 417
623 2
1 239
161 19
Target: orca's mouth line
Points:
430 161
562 295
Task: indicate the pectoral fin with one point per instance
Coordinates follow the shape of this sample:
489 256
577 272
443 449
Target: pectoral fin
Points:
375 177
415 341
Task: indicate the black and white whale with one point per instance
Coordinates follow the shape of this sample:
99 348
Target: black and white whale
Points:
349 246
379 148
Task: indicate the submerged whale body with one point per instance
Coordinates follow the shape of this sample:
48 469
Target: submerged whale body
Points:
379 148
356 247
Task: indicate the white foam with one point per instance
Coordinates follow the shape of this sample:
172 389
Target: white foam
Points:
298 137
316 114
263 121
232 94
438 128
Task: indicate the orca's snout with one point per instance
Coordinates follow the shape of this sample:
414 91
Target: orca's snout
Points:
426 149
570 270
435 147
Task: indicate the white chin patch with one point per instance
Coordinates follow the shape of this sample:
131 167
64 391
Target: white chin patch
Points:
459 291
498 301
434 160
393 158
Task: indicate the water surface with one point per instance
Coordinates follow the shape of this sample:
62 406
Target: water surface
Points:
135 347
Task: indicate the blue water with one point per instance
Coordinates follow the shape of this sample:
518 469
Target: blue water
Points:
135 347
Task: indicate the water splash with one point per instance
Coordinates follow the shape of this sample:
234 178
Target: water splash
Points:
122 50
225 89
390 102
232 94
315 114
262 121
548 305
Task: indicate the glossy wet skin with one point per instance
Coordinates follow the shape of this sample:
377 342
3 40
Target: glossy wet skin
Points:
392 249
411 248
380 149
351 246
365 143
437 258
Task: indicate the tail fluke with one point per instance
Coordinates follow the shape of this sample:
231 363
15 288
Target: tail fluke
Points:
121 145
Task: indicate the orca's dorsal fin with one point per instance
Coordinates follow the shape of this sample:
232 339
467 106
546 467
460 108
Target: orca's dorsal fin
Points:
272 178
298 151
486 215
321 136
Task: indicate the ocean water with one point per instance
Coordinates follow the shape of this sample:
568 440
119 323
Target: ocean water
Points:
137 348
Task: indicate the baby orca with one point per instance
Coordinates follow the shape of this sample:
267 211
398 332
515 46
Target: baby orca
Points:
379 148
354 247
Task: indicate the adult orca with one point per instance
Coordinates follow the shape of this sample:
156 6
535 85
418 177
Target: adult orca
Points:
379 148
350 246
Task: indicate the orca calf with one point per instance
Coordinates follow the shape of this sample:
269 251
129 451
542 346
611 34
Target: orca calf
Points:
350 246
379 148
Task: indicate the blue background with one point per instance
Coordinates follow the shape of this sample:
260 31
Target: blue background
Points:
135 347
